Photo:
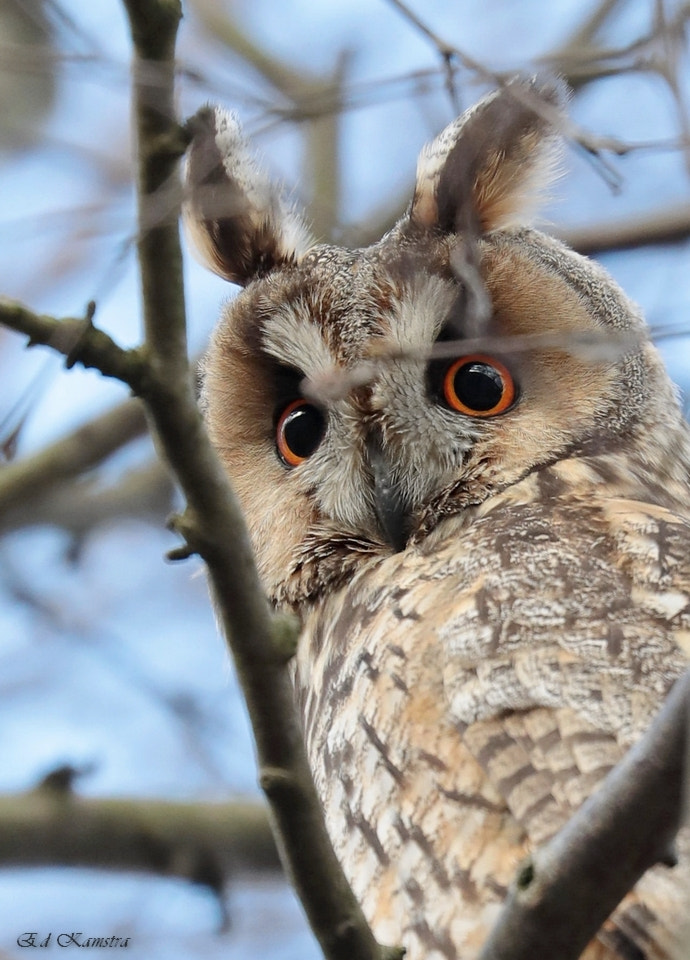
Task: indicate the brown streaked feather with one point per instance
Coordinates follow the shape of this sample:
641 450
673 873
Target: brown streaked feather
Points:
458 625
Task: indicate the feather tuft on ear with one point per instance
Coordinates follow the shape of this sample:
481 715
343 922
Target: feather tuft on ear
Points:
239 222
489 168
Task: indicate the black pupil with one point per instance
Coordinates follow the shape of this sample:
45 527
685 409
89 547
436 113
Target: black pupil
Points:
478 385
303 430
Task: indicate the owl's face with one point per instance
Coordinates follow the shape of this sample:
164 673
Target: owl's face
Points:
358 397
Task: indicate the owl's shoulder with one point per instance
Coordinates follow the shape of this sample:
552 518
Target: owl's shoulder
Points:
569 521
533 600
545 533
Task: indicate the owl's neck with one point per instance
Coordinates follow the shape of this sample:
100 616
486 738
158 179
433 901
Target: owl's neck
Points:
652 470
652 467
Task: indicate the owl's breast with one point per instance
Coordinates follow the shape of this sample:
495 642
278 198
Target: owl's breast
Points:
426 841
462 698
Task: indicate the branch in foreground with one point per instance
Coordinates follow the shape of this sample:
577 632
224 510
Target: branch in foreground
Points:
202 842
565 892
212 524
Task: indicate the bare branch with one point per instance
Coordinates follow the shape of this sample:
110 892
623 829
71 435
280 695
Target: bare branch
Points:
212 524
671 225
79 341
145 493
83 449
595 19
668 60
446 51
564 893
202 842
639 56
580 60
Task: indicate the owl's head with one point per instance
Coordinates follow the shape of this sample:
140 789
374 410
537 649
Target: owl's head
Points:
356 397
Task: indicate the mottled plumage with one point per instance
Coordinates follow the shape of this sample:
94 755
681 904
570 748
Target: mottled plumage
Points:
463 464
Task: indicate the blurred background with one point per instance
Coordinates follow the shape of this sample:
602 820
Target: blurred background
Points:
114 684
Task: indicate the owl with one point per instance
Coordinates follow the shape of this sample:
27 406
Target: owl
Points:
463 465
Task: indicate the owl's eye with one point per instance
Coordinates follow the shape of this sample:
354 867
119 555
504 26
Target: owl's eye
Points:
478 386
299 432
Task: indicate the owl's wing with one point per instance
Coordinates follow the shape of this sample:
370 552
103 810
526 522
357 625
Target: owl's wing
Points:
558 655
546 762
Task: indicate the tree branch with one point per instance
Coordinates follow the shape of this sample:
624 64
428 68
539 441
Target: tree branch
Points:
663 226
565 892
447 53
213 527
31 477
203 842
79 341
144 493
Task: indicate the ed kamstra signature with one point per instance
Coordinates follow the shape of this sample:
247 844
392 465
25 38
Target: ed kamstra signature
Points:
33 939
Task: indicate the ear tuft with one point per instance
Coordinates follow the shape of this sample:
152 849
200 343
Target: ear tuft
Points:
237 219
488 169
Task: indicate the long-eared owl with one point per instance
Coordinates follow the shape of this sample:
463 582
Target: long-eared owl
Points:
463 465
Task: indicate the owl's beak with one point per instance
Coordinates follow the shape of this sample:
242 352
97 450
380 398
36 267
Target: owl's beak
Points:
391 508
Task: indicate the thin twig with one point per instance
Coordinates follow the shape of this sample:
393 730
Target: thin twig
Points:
78 340
593 146
446 51
604 346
